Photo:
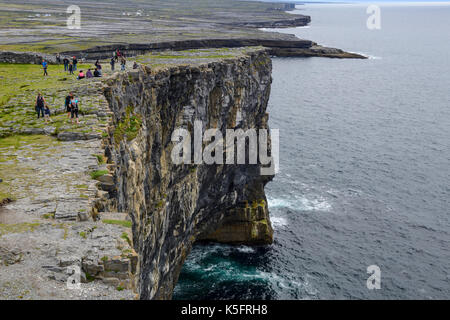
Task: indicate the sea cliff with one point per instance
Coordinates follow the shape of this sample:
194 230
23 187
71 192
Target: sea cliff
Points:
172 206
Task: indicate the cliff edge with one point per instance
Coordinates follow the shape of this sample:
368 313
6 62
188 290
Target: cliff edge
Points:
171 206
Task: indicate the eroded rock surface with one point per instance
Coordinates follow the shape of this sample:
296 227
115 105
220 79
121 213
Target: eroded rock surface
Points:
171 206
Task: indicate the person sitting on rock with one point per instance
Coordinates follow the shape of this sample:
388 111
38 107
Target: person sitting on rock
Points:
99 67
97 73
89 74
74 109
47 114
81 75
39 105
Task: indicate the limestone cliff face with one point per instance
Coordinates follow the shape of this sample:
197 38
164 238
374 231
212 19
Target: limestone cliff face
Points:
172 206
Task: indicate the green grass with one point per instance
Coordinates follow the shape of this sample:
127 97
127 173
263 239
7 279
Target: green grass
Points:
18 228
128 127
48 216
100 158
98 173
89 277
126 238
27 79
19 86
123 223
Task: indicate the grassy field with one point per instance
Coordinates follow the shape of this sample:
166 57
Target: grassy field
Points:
26 80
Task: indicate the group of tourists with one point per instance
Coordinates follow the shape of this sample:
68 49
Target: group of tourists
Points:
70 66
70 104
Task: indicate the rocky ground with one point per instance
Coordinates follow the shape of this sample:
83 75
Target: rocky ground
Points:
55 173
58 177
41 25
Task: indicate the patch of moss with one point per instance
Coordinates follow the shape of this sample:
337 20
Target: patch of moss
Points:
98 173
89 277
123 223
49 215
18 228
128 127
160 204
126 238
100 158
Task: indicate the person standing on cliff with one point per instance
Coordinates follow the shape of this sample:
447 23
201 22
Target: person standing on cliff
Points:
67 104
118 55
74 62
39 105
74 109
44 66
112 63
66 64
70 68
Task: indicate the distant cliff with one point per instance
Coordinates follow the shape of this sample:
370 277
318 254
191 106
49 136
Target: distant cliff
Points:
278 47
172 206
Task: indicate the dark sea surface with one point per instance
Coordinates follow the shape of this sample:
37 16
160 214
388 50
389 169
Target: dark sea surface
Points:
364 168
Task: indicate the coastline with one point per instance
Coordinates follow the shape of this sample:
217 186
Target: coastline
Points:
123 188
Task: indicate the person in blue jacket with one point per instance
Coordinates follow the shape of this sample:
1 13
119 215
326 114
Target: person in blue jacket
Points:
44 66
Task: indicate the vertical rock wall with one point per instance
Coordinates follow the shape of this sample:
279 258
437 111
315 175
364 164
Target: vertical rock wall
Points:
172 206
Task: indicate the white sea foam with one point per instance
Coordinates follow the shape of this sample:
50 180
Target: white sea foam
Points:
245 249
278 221
300 203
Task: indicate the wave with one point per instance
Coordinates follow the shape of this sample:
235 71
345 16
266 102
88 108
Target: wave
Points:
245 249
300 204
278 221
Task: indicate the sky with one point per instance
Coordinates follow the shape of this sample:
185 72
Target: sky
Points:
347 1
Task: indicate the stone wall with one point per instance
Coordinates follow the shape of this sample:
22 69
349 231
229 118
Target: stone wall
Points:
172 206
25 57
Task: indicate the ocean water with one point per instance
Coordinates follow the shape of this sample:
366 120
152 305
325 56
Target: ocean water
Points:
364 168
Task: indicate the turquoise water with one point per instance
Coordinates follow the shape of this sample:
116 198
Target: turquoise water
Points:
365 168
